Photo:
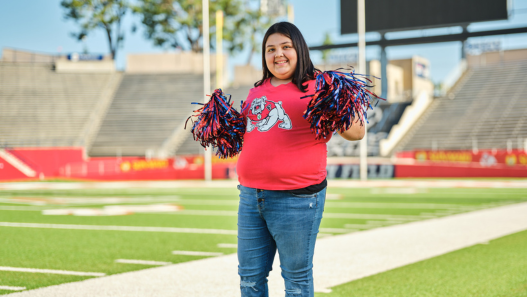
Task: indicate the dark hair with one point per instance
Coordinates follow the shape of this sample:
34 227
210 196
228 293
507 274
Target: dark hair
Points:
304 67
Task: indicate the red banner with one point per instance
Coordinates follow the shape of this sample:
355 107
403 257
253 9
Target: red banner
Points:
485 158
69 163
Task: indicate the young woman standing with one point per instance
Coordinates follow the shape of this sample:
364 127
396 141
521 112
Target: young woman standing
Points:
281 169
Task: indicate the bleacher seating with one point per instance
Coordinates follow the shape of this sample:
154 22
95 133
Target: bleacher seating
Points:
145 111
487 108
39 107
192 147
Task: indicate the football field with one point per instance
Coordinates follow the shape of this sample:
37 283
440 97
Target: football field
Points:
55 236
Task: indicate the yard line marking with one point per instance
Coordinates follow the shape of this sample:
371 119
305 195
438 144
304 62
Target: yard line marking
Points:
120 228
142 262
372 224
50 271
399 190
10 288
231 184
227 213
194 253
228 245
24 208
375 216
327 215
84 200
320 235
337 230
334 196
394 205
114 210
342 204
208 202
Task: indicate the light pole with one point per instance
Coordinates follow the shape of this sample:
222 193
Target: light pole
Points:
206 80
361 26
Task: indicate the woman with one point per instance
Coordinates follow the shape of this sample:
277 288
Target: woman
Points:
282 169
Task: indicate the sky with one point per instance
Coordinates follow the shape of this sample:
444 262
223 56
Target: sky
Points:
39 25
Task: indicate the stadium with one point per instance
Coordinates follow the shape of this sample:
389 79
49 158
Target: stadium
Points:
105 192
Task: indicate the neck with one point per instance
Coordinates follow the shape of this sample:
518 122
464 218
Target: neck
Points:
276 81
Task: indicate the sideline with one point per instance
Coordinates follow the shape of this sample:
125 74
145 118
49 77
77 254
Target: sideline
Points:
338 259
119 228
335 183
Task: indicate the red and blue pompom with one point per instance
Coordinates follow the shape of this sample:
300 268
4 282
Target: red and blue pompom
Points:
339 99
219 125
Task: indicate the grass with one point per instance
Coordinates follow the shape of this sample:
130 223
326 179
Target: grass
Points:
96 251
496 269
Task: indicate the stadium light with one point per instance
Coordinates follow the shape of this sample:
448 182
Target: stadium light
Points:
206 80
361 25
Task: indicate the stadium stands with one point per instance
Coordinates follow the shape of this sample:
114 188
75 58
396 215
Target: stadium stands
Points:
39 107
190 146
486 109
144 113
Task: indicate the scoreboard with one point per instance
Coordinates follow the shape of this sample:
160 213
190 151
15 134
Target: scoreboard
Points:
397 15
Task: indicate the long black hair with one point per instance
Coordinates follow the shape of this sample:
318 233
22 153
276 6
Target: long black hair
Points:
304 70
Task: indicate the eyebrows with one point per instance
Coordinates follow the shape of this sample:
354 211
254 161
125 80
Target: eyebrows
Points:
286 42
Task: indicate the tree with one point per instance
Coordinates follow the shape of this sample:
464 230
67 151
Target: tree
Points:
179 23
255 24
327 41
98 14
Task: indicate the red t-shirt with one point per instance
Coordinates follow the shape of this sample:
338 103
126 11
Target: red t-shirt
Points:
279 150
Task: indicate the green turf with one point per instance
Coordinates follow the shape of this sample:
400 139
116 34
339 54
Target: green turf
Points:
96 251
495 269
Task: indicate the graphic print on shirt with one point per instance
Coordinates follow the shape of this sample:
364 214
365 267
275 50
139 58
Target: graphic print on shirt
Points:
264 114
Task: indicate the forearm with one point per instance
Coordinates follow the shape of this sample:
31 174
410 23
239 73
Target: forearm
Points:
355 132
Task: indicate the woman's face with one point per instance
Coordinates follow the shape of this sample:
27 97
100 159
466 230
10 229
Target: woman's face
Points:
280 56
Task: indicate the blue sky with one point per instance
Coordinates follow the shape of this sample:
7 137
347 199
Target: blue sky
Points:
38 25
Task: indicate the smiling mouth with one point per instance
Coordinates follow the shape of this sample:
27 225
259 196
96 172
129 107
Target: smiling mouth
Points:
280 62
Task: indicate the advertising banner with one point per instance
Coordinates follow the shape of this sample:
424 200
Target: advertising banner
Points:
485 158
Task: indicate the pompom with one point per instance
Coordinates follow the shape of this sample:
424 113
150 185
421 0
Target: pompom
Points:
219 125
339 98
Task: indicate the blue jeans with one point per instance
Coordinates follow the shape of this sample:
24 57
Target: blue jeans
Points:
271 220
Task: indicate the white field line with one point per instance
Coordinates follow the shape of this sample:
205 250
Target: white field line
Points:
376 216
50 271
228 245
337 230
141 262
330 196
231 184
227 213
10 288
194 253
234 213
9 201
120 228
321 235
404 191
24 208
369 225
85 200
340 204
395 205
326 215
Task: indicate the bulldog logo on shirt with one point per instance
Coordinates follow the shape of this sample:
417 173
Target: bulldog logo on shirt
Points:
264 114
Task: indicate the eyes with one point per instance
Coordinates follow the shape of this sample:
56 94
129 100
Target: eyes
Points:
285 47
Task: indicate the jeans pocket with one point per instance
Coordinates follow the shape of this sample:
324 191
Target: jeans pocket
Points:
314 195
